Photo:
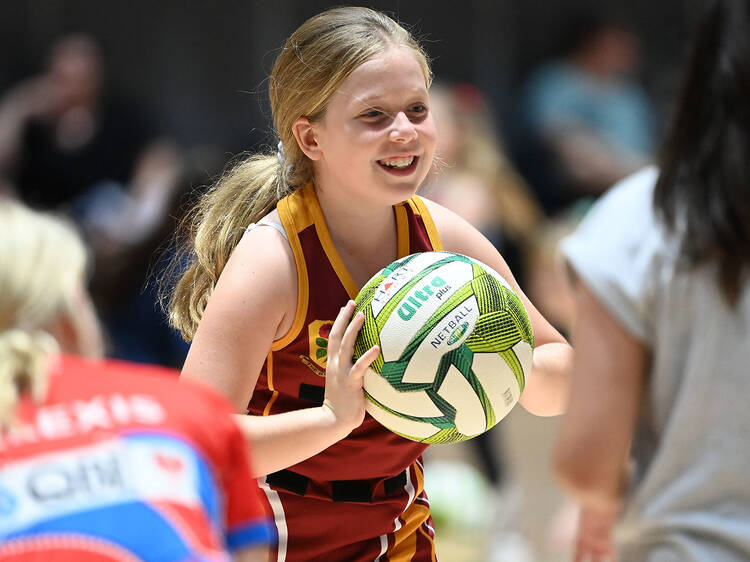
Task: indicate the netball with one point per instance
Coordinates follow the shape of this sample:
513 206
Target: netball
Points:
455 347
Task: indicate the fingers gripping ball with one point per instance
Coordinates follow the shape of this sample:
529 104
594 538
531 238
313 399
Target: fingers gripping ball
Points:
455 347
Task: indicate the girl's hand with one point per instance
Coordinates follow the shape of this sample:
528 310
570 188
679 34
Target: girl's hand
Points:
344 397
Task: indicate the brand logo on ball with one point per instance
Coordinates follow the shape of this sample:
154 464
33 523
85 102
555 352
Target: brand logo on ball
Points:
455 327
457 333
392 284
416 298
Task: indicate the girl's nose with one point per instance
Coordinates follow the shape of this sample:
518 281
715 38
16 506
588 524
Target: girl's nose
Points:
402 129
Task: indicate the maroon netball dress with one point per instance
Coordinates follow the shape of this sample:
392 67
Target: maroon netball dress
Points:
362 498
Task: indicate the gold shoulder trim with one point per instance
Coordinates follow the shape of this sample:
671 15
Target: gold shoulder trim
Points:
295 217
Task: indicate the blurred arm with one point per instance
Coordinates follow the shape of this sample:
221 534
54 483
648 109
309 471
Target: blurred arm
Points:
592 162
252 554
24 101
596 433
152 190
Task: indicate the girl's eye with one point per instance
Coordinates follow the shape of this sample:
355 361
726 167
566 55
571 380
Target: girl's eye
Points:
372 114
419 108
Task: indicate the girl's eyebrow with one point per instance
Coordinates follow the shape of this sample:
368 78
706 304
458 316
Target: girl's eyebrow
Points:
377 96
367 103
368 99
376 100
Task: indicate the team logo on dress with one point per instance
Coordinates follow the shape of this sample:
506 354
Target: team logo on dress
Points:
312 366
319 331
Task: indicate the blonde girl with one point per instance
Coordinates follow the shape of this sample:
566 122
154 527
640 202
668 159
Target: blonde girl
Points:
281 246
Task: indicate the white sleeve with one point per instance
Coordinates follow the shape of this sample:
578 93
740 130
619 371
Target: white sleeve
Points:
617 252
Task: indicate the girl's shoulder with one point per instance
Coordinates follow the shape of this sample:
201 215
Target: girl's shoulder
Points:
262 263
456 234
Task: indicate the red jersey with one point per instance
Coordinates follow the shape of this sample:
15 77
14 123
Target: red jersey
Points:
363 497
124 462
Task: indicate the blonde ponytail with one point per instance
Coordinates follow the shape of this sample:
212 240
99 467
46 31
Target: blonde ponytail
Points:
42 266
24 362
245 194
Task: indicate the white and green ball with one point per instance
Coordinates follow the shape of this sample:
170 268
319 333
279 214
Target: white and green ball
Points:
455 347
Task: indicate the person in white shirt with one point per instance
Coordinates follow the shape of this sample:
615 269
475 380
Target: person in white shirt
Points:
663 330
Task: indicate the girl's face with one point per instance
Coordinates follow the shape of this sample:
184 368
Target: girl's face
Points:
377 139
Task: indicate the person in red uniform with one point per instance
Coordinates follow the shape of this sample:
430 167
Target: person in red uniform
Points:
105 460
272 326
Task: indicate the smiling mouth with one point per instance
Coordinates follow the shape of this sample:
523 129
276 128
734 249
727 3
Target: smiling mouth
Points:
399 163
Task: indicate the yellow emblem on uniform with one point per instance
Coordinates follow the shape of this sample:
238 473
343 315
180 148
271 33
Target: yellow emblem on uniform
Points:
319 331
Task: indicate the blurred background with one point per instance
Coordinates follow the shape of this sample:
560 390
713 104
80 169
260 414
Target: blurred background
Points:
120 113
200 67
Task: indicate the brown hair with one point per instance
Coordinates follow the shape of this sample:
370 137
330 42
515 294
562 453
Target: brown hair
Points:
703 191
313 63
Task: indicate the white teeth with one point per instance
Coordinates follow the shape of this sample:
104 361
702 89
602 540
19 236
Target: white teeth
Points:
401 162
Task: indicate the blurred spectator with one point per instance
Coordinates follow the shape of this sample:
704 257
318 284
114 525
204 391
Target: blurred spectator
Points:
65 145
475 180
60 138
586 121
99 459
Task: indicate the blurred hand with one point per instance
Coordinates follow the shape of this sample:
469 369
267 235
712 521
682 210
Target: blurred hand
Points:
594 541
592 162
33 98
344 397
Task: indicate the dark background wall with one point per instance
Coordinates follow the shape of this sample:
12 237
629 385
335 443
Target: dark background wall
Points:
201 66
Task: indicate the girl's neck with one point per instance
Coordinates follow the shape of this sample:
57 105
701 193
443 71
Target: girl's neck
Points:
365 237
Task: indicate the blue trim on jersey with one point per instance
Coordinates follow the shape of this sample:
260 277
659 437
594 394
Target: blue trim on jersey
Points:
257 532
122 525
209 494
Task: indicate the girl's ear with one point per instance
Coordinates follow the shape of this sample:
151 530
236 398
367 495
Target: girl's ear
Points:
306 138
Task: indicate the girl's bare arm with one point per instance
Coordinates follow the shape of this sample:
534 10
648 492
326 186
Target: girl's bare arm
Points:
253 304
